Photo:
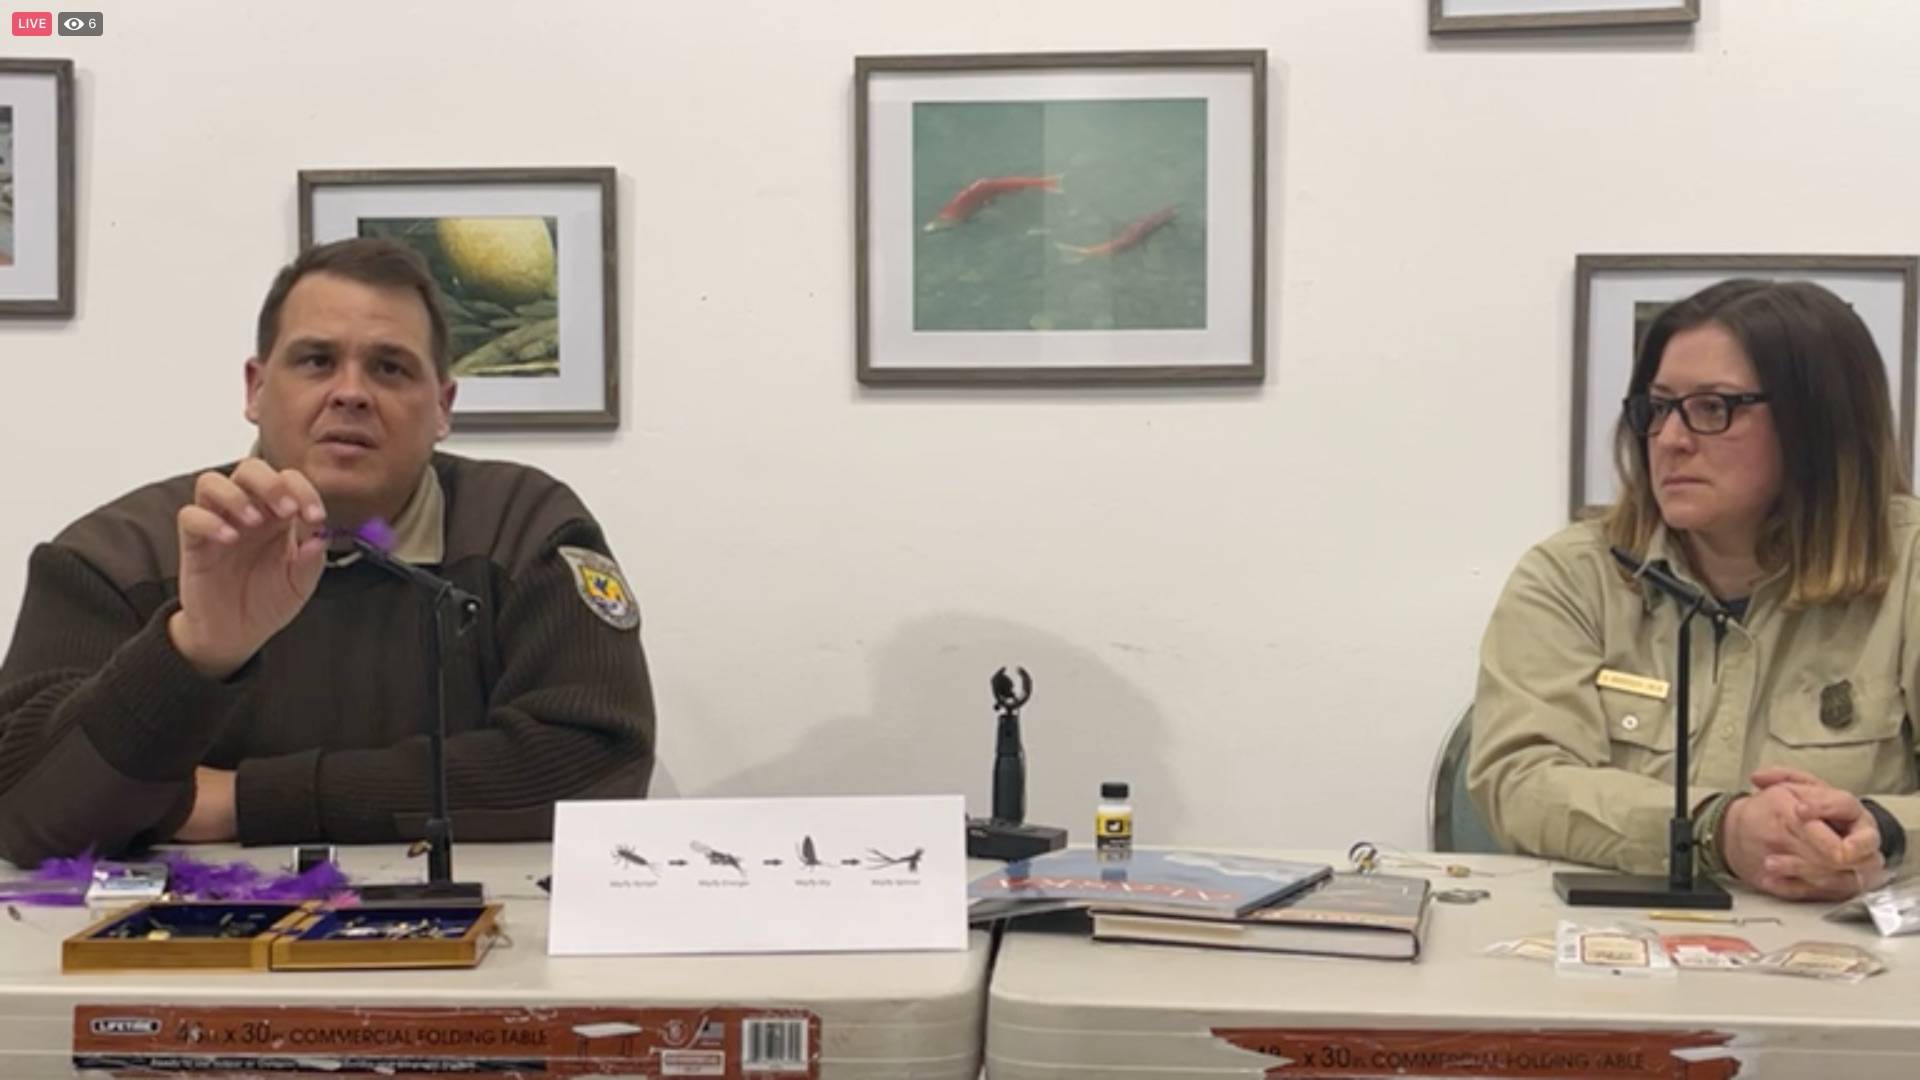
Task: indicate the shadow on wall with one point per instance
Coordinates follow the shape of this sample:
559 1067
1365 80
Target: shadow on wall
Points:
931 730
663 785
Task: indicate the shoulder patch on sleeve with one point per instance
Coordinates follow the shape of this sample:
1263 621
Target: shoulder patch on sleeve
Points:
602 587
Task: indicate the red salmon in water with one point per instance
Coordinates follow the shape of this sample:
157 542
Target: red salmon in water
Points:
1130 237
983 191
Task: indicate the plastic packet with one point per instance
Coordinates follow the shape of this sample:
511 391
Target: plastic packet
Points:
1535 947
1822 960
1619 948
126 882
1895 909
1852 911
1709 952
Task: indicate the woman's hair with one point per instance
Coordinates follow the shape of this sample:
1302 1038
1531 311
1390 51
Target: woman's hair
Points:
1841 461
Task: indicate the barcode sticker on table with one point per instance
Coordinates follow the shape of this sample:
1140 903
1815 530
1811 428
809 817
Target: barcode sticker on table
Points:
776 1044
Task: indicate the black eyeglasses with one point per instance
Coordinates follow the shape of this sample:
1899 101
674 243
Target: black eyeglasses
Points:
1708 412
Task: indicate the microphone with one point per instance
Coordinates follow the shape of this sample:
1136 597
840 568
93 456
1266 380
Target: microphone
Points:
1660 573
1679 889
433 583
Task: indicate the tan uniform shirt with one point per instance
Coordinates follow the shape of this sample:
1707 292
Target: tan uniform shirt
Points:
1572 760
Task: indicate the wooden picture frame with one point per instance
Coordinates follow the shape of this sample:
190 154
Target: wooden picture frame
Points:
36 189
1476 16
1616 295
528 261
1060 218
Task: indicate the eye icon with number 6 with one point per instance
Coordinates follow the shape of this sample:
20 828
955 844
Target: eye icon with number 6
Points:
81 24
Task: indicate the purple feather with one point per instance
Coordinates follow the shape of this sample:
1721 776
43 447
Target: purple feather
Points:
64 882
377 532
321 881
57 883
196 880
374 532
77 870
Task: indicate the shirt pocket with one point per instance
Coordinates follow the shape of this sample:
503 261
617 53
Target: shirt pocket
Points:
1863 748
1639 731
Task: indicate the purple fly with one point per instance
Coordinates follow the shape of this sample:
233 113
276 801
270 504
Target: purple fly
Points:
375 531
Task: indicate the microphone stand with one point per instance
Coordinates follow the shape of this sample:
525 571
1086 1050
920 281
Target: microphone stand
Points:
445 601
1679 889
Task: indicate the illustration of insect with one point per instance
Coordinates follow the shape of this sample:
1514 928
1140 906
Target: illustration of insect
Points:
809 857
719 858
622 854
879 860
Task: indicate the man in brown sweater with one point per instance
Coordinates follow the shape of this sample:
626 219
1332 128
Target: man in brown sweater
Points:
201 660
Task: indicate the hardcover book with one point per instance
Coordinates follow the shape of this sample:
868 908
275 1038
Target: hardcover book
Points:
1364 915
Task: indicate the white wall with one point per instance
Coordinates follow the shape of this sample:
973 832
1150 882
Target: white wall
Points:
1260 606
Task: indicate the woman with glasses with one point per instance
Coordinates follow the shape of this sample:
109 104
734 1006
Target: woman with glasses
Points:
1758 463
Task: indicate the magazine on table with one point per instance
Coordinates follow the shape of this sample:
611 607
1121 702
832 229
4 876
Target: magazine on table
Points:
1146 881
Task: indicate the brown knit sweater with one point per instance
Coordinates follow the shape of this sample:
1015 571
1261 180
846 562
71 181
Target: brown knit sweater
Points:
102 722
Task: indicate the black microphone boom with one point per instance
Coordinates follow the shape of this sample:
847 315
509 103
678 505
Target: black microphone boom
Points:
1679 889
1662 577
433 583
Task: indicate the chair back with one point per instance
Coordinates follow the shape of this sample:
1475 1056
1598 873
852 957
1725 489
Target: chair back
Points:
1453 822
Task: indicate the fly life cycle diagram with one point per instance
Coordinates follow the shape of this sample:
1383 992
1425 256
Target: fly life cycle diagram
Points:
808 866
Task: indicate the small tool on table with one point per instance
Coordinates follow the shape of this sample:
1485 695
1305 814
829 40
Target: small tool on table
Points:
1710 917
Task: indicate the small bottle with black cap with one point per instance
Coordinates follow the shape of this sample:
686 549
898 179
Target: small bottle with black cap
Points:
1113 821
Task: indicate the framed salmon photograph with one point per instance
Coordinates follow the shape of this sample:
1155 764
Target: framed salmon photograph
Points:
1470 16
526 260
36 188
1060 218
1617 298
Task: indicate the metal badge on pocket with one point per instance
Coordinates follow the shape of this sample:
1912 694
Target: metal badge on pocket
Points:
1836 705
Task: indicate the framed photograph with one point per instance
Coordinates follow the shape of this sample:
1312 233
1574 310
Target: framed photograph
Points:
527 261
1060 218
1617 297
36 188
1451 16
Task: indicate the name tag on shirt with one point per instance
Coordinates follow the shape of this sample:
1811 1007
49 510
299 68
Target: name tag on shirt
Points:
1643 685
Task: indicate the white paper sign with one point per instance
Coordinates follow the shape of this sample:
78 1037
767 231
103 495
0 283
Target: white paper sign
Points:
759 875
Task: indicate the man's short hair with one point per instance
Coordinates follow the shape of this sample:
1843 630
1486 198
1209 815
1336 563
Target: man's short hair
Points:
370 261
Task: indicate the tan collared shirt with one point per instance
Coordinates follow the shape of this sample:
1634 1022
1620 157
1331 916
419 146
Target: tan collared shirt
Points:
1573 730
419 532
